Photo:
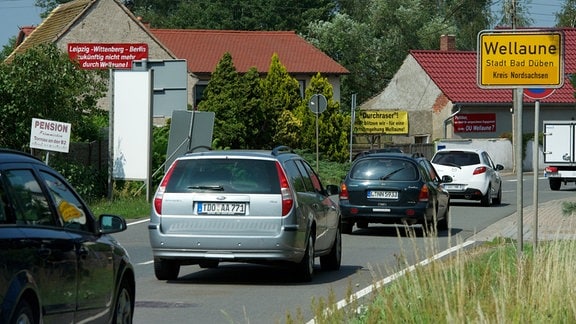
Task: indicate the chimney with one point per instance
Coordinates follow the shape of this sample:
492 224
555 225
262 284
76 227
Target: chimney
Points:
447 43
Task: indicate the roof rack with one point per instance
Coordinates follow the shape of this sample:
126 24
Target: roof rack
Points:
281 149
196 149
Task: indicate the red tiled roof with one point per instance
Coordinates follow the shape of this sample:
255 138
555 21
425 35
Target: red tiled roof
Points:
454 72
203 49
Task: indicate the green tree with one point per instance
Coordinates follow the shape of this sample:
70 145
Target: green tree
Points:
48 6
44 83
280 92
566 17
8 48
514 14
354 45
223 97
333 125
234 14
252 113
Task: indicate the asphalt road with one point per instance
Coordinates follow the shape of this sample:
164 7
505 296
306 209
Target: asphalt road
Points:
243 293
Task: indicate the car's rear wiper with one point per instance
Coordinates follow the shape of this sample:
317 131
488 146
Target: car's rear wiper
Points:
453 164
384 177
213 187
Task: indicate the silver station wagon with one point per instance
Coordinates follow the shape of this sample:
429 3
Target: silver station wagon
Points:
266 207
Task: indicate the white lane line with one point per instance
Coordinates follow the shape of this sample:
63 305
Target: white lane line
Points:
361 293
138 222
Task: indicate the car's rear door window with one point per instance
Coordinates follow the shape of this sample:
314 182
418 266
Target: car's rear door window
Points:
224 175
295 177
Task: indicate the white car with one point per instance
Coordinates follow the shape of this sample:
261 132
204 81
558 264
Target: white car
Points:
475 176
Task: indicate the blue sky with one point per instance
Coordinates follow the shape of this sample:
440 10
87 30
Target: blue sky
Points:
18 13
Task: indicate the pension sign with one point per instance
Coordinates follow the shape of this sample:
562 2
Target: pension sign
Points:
520 59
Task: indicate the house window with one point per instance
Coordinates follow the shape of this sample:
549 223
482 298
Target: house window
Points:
421 139
302 84
198 91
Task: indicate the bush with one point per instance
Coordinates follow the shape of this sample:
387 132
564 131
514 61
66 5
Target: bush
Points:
90 183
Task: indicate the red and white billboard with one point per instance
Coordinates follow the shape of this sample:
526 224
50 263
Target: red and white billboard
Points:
93 56
475 123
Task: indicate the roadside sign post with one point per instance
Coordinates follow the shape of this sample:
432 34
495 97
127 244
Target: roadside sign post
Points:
520 59
536 94
317 105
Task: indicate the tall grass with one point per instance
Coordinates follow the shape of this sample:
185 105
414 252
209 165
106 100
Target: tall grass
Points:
492 283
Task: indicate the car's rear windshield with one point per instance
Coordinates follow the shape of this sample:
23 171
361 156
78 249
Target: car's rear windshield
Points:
224 175
456 158
384 169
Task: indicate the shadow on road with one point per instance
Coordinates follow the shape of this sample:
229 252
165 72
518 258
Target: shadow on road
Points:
253 274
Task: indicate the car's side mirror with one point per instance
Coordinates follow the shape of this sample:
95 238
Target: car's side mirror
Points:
446 179
499 167
111 224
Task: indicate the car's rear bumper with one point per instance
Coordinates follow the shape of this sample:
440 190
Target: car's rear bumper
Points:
469 193
384 214
288 245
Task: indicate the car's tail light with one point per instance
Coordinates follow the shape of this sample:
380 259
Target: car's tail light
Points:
424 194
479 170
344 192
551 169
287 198
160 192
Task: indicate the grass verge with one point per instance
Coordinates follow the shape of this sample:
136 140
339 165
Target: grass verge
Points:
489 284
127 207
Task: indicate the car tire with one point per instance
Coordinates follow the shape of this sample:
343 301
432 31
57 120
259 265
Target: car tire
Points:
555 184
442 225
166 269
486 200
305 268
23 313
332 260
124 309
347 227
498 199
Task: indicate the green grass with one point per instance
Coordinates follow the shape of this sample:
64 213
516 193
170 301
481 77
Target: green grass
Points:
127 207
489 284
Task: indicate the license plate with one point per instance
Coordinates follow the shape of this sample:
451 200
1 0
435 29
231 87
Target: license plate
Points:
453 187
217 208
383 194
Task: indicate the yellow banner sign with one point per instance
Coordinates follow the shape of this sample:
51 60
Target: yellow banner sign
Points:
381 122
520 58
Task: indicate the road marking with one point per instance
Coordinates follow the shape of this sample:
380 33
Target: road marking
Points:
361 293
138 222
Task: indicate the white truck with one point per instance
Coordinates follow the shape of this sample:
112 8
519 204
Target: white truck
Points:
559 152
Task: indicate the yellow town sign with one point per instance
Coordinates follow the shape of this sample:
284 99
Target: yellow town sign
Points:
520 58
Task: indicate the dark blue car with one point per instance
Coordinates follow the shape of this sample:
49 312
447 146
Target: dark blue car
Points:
393 188
58 263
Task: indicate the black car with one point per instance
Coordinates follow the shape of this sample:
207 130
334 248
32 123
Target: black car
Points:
391 188
58 263
380 150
